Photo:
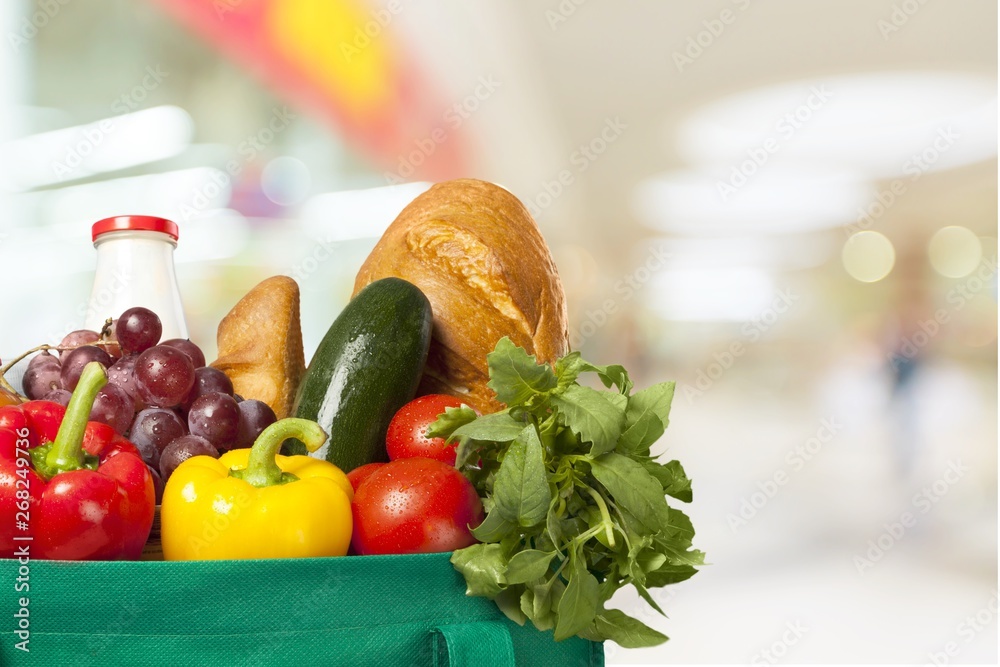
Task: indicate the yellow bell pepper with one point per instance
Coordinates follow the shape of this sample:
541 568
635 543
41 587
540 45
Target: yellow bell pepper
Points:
254 503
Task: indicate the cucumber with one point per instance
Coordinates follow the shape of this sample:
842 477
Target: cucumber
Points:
366 368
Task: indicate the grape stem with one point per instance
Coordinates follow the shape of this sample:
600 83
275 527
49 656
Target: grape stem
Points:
45 347
13 362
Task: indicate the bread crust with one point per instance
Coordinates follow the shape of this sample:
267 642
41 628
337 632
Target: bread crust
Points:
260 345
475 251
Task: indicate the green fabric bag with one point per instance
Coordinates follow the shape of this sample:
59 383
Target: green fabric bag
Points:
382 611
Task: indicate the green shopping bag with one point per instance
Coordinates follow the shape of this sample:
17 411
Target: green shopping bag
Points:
383 611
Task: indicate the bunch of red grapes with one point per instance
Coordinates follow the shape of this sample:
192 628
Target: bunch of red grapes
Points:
161 396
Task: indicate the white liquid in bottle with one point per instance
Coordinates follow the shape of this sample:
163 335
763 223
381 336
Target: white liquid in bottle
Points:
135 267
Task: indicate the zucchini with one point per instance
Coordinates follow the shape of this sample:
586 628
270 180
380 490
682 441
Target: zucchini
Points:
366 368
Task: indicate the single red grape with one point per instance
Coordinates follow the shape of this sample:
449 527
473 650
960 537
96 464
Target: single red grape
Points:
163 376
44 373
137 330
215 417
190 349
181 450
72 365
154 429
114 407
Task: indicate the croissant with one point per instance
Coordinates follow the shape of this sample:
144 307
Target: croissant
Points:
478 255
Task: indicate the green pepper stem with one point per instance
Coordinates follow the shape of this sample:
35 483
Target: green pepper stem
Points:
262 468
67 449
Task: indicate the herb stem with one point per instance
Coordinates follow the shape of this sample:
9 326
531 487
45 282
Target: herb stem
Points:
605 515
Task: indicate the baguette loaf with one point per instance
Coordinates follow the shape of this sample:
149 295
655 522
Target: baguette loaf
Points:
260 344
477 254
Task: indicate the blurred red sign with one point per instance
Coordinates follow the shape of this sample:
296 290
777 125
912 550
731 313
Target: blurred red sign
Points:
341 59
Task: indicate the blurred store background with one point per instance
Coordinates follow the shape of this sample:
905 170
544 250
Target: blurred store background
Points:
790 208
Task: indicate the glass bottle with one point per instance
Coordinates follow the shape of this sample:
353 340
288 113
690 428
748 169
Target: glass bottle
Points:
135 267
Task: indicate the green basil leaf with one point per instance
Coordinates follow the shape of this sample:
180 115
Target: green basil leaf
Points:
680 525
611 375
493 528
515 376
509 602
620 401
624 630
639 436
644 594
568 368
449 420
591 416
633 490
677 483
466 451
579 602
498 427
649 560
483 566
669 574
528 565
655 400
539 603
521 492
678 552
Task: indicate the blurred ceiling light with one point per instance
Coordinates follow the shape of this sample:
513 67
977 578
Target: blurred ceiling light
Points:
103 146
708 295
286 181
178 195
955 251
868 256
775 199
357 214
884 124
786 252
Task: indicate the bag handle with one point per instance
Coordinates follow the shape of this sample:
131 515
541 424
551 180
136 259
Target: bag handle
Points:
481 644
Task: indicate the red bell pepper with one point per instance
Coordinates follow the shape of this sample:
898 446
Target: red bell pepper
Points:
71 489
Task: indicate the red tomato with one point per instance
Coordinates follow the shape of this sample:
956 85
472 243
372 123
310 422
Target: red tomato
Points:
414 505
407 434
361 473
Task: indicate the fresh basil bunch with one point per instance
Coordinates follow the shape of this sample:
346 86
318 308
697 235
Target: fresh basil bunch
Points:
576 506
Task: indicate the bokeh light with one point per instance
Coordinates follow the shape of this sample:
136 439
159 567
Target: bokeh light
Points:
868 256
955 251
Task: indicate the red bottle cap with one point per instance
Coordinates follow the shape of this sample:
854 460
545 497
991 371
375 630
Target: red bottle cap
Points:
121 223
